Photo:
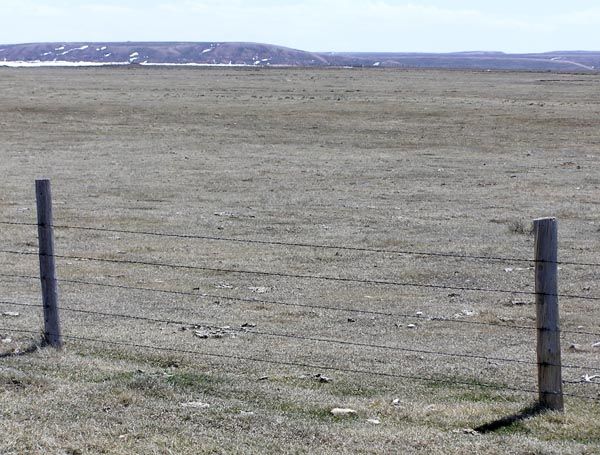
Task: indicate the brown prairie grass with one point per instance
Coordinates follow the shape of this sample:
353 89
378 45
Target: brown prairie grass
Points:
395 164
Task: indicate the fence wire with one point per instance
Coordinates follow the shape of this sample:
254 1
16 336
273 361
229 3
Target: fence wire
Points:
257 332
253 331
308 245
301 276
300 305
271 361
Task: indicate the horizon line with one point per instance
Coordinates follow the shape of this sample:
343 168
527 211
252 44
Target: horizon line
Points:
474 51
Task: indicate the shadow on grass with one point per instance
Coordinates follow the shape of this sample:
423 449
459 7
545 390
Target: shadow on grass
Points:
530 411
30 349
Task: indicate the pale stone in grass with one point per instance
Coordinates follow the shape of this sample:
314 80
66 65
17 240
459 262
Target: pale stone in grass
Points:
470 431
343 412
212 332
258 289
195 405
374 421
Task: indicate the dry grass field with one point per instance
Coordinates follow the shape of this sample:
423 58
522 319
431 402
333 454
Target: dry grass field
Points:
422 161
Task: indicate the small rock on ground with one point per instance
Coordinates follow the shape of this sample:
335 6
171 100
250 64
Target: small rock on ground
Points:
214 332
196 405
343 412
258 289
470 431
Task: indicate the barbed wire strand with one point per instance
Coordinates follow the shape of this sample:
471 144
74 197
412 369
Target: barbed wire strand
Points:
252 331
303 305
307 245
210 326
299 276
303 365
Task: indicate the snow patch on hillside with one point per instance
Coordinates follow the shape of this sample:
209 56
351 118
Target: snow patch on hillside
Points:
39 63
196 64
82 48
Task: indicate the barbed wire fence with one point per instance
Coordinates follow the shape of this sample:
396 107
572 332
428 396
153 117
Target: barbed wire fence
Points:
549 365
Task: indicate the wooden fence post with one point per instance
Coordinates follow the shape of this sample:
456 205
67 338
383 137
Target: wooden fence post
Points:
548 328
52 335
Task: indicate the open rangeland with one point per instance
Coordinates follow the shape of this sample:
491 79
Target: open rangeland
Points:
199 359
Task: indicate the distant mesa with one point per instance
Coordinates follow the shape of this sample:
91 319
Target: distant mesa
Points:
264 55
145 53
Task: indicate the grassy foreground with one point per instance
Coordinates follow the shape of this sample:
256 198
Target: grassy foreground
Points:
88 400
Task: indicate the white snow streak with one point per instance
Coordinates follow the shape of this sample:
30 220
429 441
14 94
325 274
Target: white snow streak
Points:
82 48
193 64
38 63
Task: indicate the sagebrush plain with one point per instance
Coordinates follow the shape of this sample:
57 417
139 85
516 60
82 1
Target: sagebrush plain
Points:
391 160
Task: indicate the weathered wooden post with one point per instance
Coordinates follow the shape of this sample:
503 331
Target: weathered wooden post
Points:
548 327
52 335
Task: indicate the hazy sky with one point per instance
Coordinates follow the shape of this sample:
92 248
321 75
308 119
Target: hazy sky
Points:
315 25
